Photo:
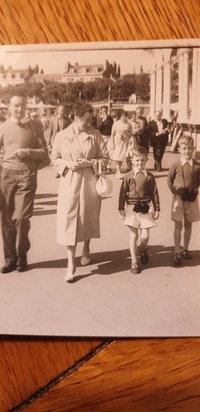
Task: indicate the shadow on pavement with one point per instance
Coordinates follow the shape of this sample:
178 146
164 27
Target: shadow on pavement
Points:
44 212
117 261
44 195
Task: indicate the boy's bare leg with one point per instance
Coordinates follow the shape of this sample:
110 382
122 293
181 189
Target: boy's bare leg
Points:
133 244
177 236
187 234
144 238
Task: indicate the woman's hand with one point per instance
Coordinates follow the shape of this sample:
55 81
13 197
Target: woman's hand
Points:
21 153
73 166
82 163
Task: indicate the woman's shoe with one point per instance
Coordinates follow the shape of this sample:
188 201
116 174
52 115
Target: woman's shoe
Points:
135 269
69 276
85 260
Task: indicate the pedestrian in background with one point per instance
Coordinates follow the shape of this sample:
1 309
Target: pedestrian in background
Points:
120 138
158 131
24 147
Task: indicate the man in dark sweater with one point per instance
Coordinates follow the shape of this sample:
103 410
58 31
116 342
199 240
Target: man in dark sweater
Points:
139 205
24 148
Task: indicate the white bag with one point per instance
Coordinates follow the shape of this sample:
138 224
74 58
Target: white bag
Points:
104 185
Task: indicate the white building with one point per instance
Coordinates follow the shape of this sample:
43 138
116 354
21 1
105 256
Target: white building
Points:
175 85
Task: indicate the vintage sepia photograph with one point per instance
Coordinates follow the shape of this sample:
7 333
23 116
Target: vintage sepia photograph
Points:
99 182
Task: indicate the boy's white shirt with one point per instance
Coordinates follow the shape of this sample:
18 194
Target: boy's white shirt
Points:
136 171
183 161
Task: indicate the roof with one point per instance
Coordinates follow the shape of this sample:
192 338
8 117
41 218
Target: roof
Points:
42 77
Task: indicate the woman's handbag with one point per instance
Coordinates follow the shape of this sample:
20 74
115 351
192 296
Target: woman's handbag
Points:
104 185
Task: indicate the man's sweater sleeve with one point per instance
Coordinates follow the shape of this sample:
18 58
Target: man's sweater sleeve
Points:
40 152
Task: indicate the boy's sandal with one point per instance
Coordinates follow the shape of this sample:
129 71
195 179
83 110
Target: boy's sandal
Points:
135 269
177 259
186 255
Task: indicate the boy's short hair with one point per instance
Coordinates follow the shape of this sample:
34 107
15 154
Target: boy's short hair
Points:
139 151
185 139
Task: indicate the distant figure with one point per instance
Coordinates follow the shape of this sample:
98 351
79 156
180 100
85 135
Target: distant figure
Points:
120 137
57 123
34 116
158 130
24 147
141 133
105 129
45 121
175 132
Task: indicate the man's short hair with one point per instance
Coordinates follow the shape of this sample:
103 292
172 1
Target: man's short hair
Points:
185 139
138 151
20 95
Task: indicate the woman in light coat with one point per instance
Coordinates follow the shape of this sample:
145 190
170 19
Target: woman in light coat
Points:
75 155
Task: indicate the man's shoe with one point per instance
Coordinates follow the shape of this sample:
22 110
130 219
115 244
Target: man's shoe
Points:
9 266
21 263
144 257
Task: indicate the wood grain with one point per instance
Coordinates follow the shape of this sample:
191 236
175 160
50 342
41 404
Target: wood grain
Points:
26 365
140 375
137 375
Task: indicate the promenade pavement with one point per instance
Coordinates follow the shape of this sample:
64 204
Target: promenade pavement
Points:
105 299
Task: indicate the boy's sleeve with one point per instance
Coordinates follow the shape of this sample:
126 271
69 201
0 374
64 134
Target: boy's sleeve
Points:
170 178
123 194
155 195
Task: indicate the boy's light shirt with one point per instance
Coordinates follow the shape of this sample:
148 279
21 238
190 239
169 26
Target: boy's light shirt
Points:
136 171
183 161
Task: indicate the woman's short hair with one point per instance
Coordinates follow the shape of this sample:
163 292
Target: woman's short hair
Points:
79 109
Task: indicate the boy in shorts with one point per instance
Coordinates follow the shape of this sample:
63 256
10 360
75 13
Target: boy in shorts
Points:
183 181
139 205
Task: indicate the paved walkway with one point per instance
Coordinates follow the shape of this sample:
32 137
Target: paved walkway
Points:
105 299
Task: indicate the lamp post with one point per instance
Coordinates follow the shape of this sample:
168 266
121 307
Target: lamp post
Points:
109 98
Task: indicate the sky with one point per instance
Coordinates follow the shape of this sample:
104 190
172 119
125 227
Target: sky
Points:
54 61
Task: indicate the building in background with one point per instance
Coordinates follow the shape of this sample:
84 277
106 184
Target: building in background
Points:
175 85
14 77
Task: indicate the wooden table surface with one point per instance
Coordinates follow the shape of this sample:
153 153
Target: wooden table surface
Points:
54 374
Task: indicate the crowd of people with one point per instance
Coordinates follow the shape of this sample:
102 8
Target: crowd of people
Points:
75 145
